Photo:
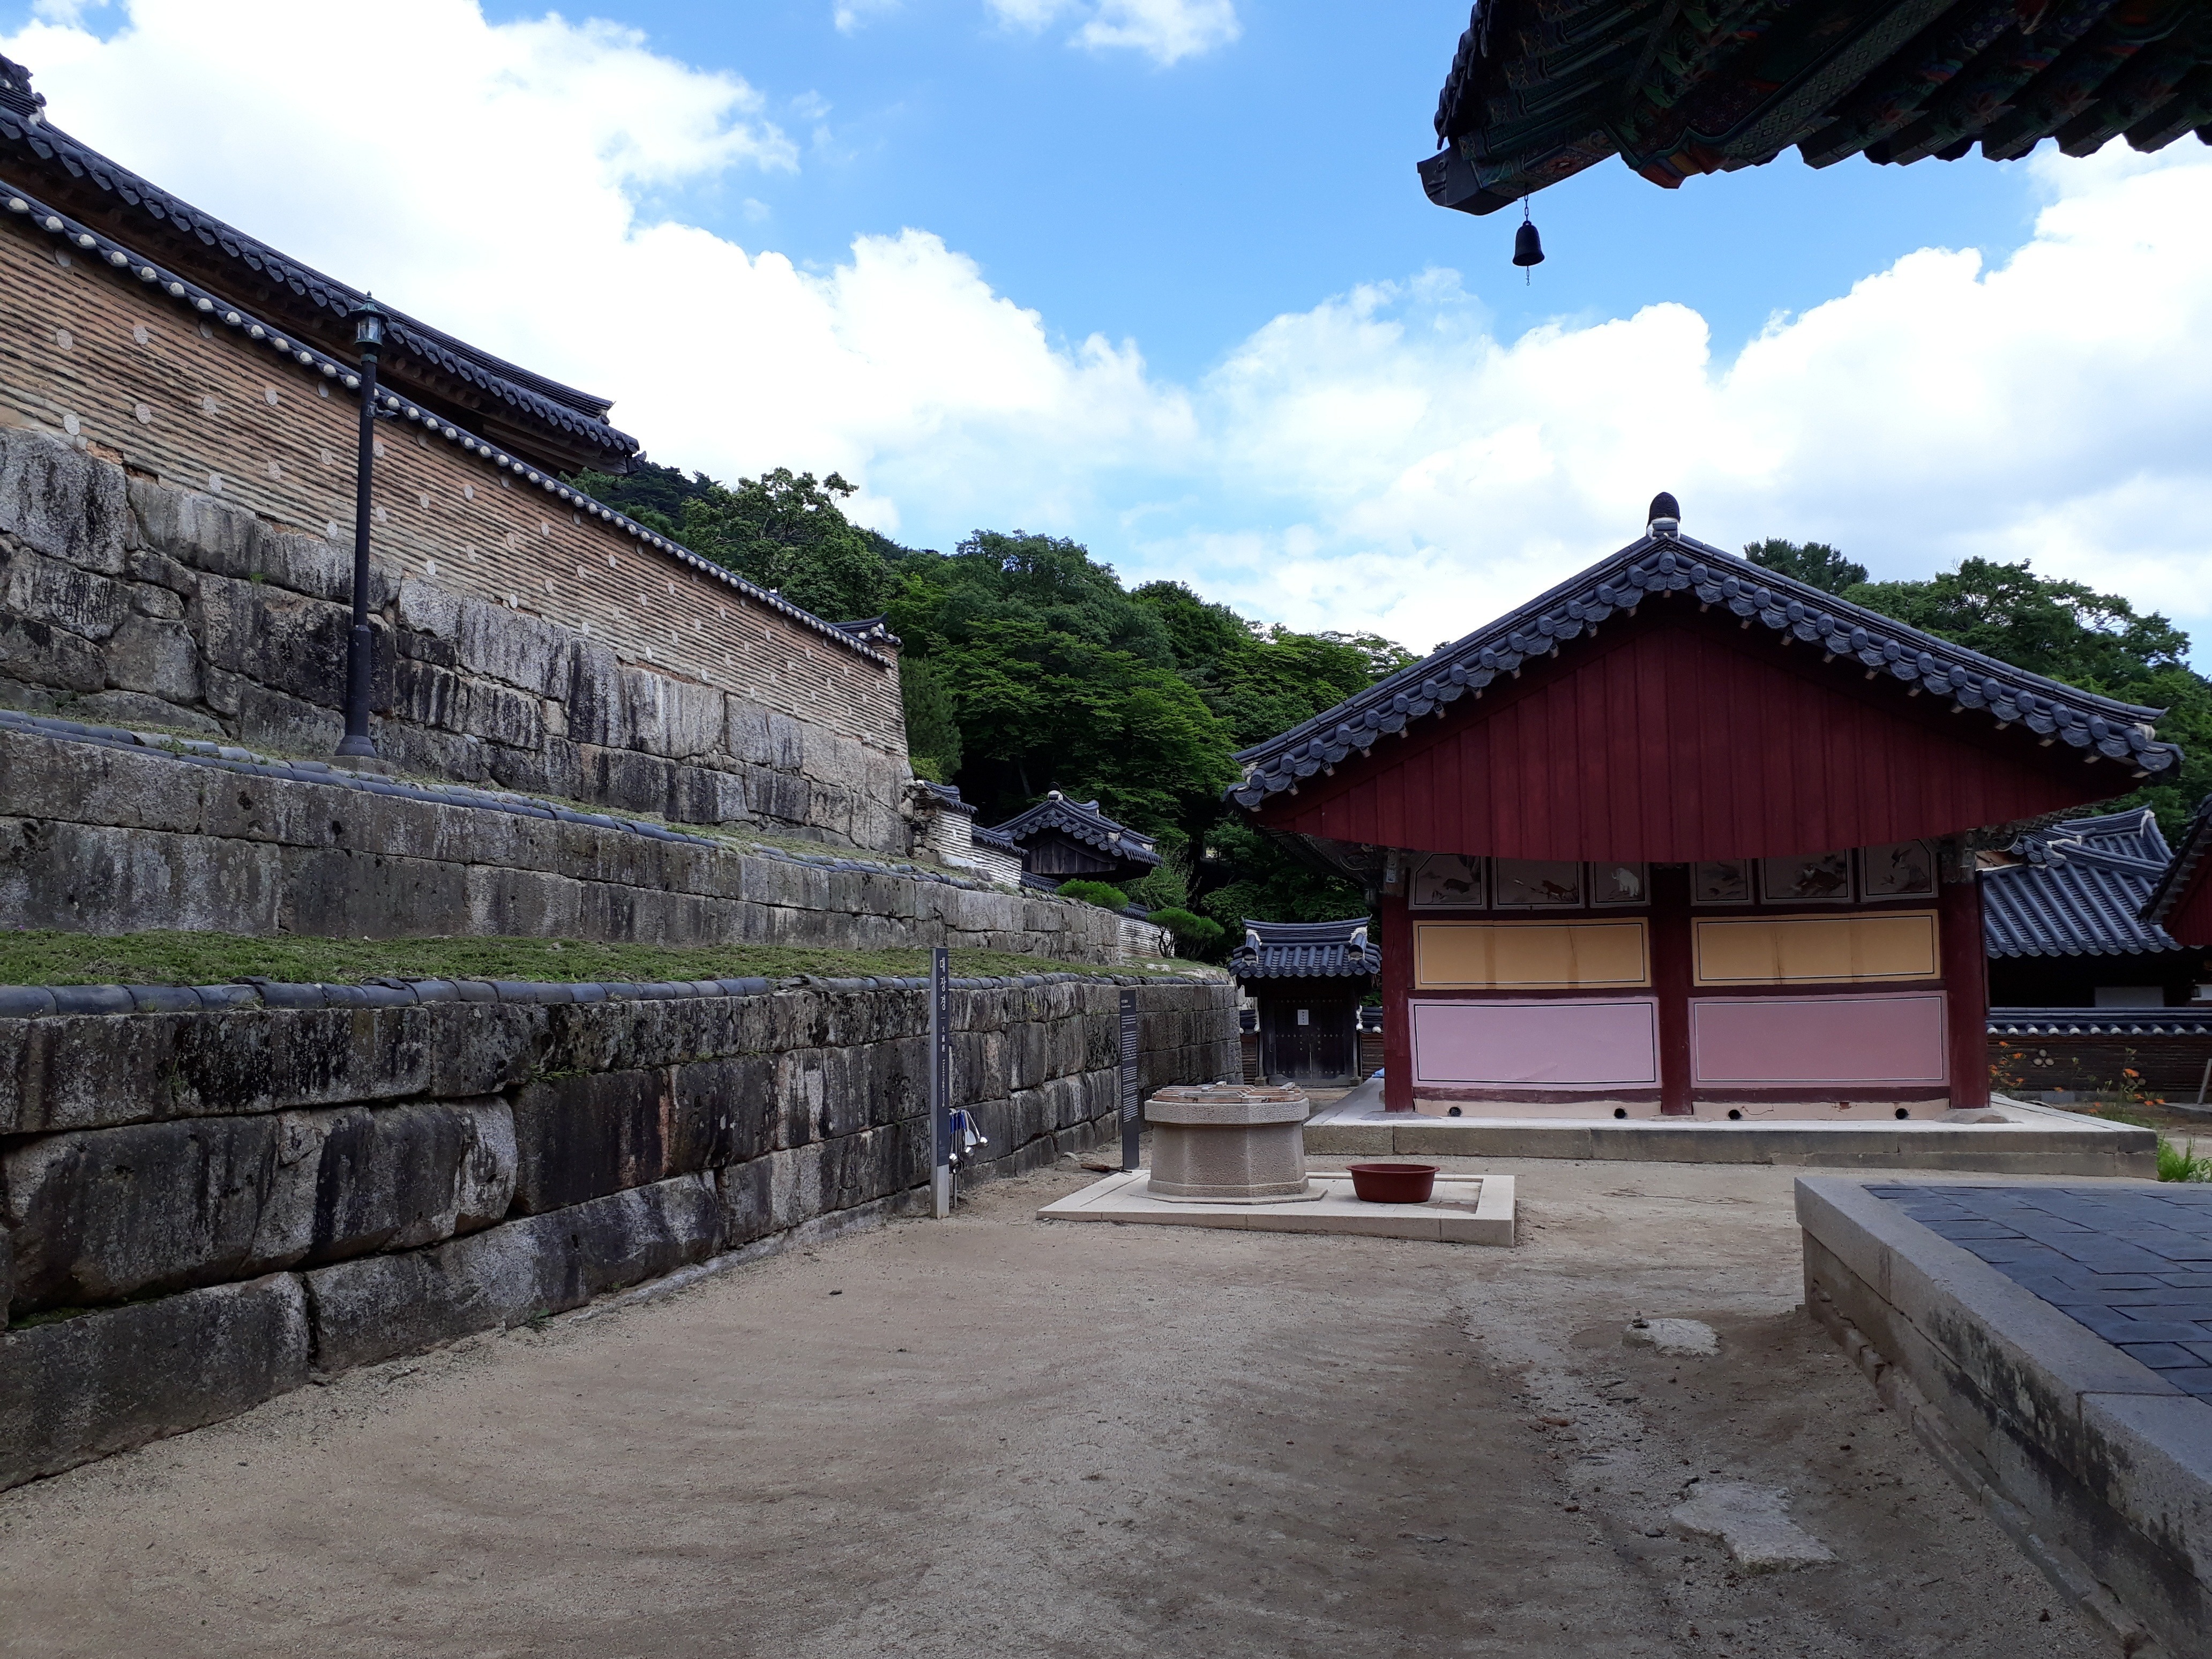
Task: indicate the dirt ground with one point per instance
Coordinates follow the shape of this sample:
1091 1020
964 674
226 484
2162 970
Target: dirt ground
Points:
996 1436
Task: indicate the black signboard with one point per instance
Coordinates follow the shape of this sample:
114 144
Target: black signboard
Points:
1128 1079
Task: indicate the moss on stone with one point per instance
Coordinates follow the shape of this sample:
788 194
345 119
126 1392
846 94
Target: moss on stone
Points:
36 958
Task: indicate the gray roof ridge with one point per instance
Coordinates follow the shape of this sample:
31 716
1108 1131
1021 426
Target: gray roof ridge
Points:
207 305
1671 563
1082 820
577 410
1345 926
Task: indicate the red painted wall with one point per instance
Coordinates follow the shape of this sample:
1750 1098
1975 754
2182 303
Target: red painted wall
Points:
2191 920
1679 736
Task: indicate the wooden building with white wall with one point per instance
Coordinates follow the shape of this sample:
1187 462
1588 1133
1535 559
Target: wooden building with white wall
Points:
1682 835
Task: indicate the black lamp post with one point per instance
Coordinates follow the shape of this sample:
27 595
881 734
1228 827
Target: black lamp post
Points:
368 318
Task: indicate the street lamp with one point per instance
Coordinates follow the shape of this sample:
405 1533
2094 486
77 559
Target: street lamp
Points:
367 320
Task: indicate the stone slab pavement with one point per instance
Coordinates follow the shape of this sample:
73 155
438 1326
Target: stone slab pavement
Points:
2133 1265
995 1436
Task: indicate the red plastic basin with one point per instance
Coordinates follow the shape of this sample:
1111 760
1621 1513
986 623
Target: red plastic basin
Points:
1394 1183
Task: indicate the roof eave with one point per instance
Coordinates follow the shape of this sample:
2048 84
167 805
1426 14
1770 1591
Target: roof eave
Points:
1663 563
551 425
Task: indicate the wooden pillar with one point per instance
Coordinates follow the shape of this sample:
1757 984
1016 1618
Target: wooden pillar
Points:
1671 976
1965 980
1397 946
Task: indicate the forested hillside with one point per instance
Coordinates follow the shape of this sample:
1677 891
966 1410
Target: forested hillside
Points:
1028 666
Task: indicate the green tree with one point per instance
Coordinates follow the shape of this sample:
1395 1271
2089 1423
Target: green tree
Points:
1260 881
1814 563
1028 667
932 728
790 534
784 532
653 495
2069 632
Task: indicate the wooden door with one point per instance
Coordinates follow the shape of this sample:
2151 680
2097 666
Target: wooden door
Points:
1306 1039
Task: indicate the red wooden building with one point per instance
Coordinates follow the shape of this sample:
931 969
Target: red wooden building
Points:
2182 902
1683 834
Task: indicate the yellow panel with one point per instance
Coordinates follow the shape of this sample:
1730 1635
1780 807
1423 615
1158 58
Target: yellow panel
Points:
1835 949
1528 956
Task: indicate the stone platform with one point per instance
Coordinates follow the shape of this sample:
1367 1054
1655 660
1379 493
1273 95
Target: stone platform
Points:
2051 1345
1465 1210
2009 1137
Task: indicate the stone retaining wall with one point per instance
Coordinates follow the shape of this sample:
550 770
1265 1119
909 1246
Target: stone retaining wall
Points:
105 834
127 598
301 1179
2099 1467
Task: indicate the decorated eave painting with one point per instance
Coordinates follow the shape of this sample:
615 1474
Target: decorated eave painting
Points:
1540 89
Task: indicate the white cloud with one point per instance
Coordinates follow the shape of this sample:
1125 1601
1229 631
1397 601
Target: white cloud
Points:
2052 405
1028 16
1165 31
495 193
1383 458
850 16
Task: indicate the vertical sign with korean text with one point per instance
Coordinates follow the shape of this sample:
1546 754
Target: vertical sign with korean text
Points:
1128 1078
940 1082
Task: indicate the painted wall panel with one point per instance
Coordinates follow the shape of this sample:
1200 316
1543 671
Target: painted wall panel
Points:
1818 1042
1563 956
1794 950
1677 737
1566 1044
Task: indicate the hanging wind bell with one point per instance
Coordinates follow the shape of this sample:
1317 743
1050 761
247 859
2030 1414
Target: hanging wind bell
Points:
1528 247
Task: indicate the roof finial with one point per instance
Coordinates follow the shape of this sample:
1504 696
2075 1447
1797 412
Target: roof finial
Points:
1665 517
15 92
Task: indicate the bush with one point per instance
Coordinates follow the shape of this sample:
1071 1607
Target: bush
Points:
1095 892
1194 935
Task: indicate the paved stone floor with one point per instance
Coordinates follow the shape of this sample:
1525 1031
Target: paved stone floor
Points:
2133 1265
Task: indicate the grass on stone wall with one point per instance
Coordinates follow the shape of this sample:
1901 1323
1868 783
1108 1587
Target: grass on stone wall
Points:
38 958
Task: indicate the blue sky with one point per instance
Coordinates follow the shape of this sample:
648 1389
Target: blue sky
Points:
1157 275
1186 204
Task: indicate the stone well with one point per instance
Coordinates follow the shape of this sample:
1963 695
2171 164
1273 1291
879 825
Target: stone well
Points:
1228 1143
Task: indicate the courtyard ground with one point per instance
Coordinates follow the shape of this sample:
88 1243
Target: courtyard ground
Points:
994 1436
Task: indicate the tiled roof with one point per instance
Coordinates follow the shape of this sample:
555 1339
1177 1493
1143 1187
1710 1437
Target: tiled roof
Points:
947 797
2196 843
1664 561
1081 821
1305 950
190 295
2100 1022
1540 89
2079 890
30 146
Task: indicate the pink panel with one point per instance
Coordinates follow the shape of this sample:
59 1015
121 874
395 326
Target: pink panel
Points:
1817 1040
1538 1044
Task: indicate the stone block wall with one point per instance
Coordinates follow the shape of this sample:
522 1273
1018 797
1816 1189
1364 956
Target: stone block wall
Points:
176 518
202 1209
108 834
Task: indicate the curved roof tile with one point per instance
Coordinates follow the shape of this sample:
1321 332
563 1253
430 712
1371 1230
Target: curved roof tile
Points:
1663 561
1083 821
1306 950
2079 889
579 415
